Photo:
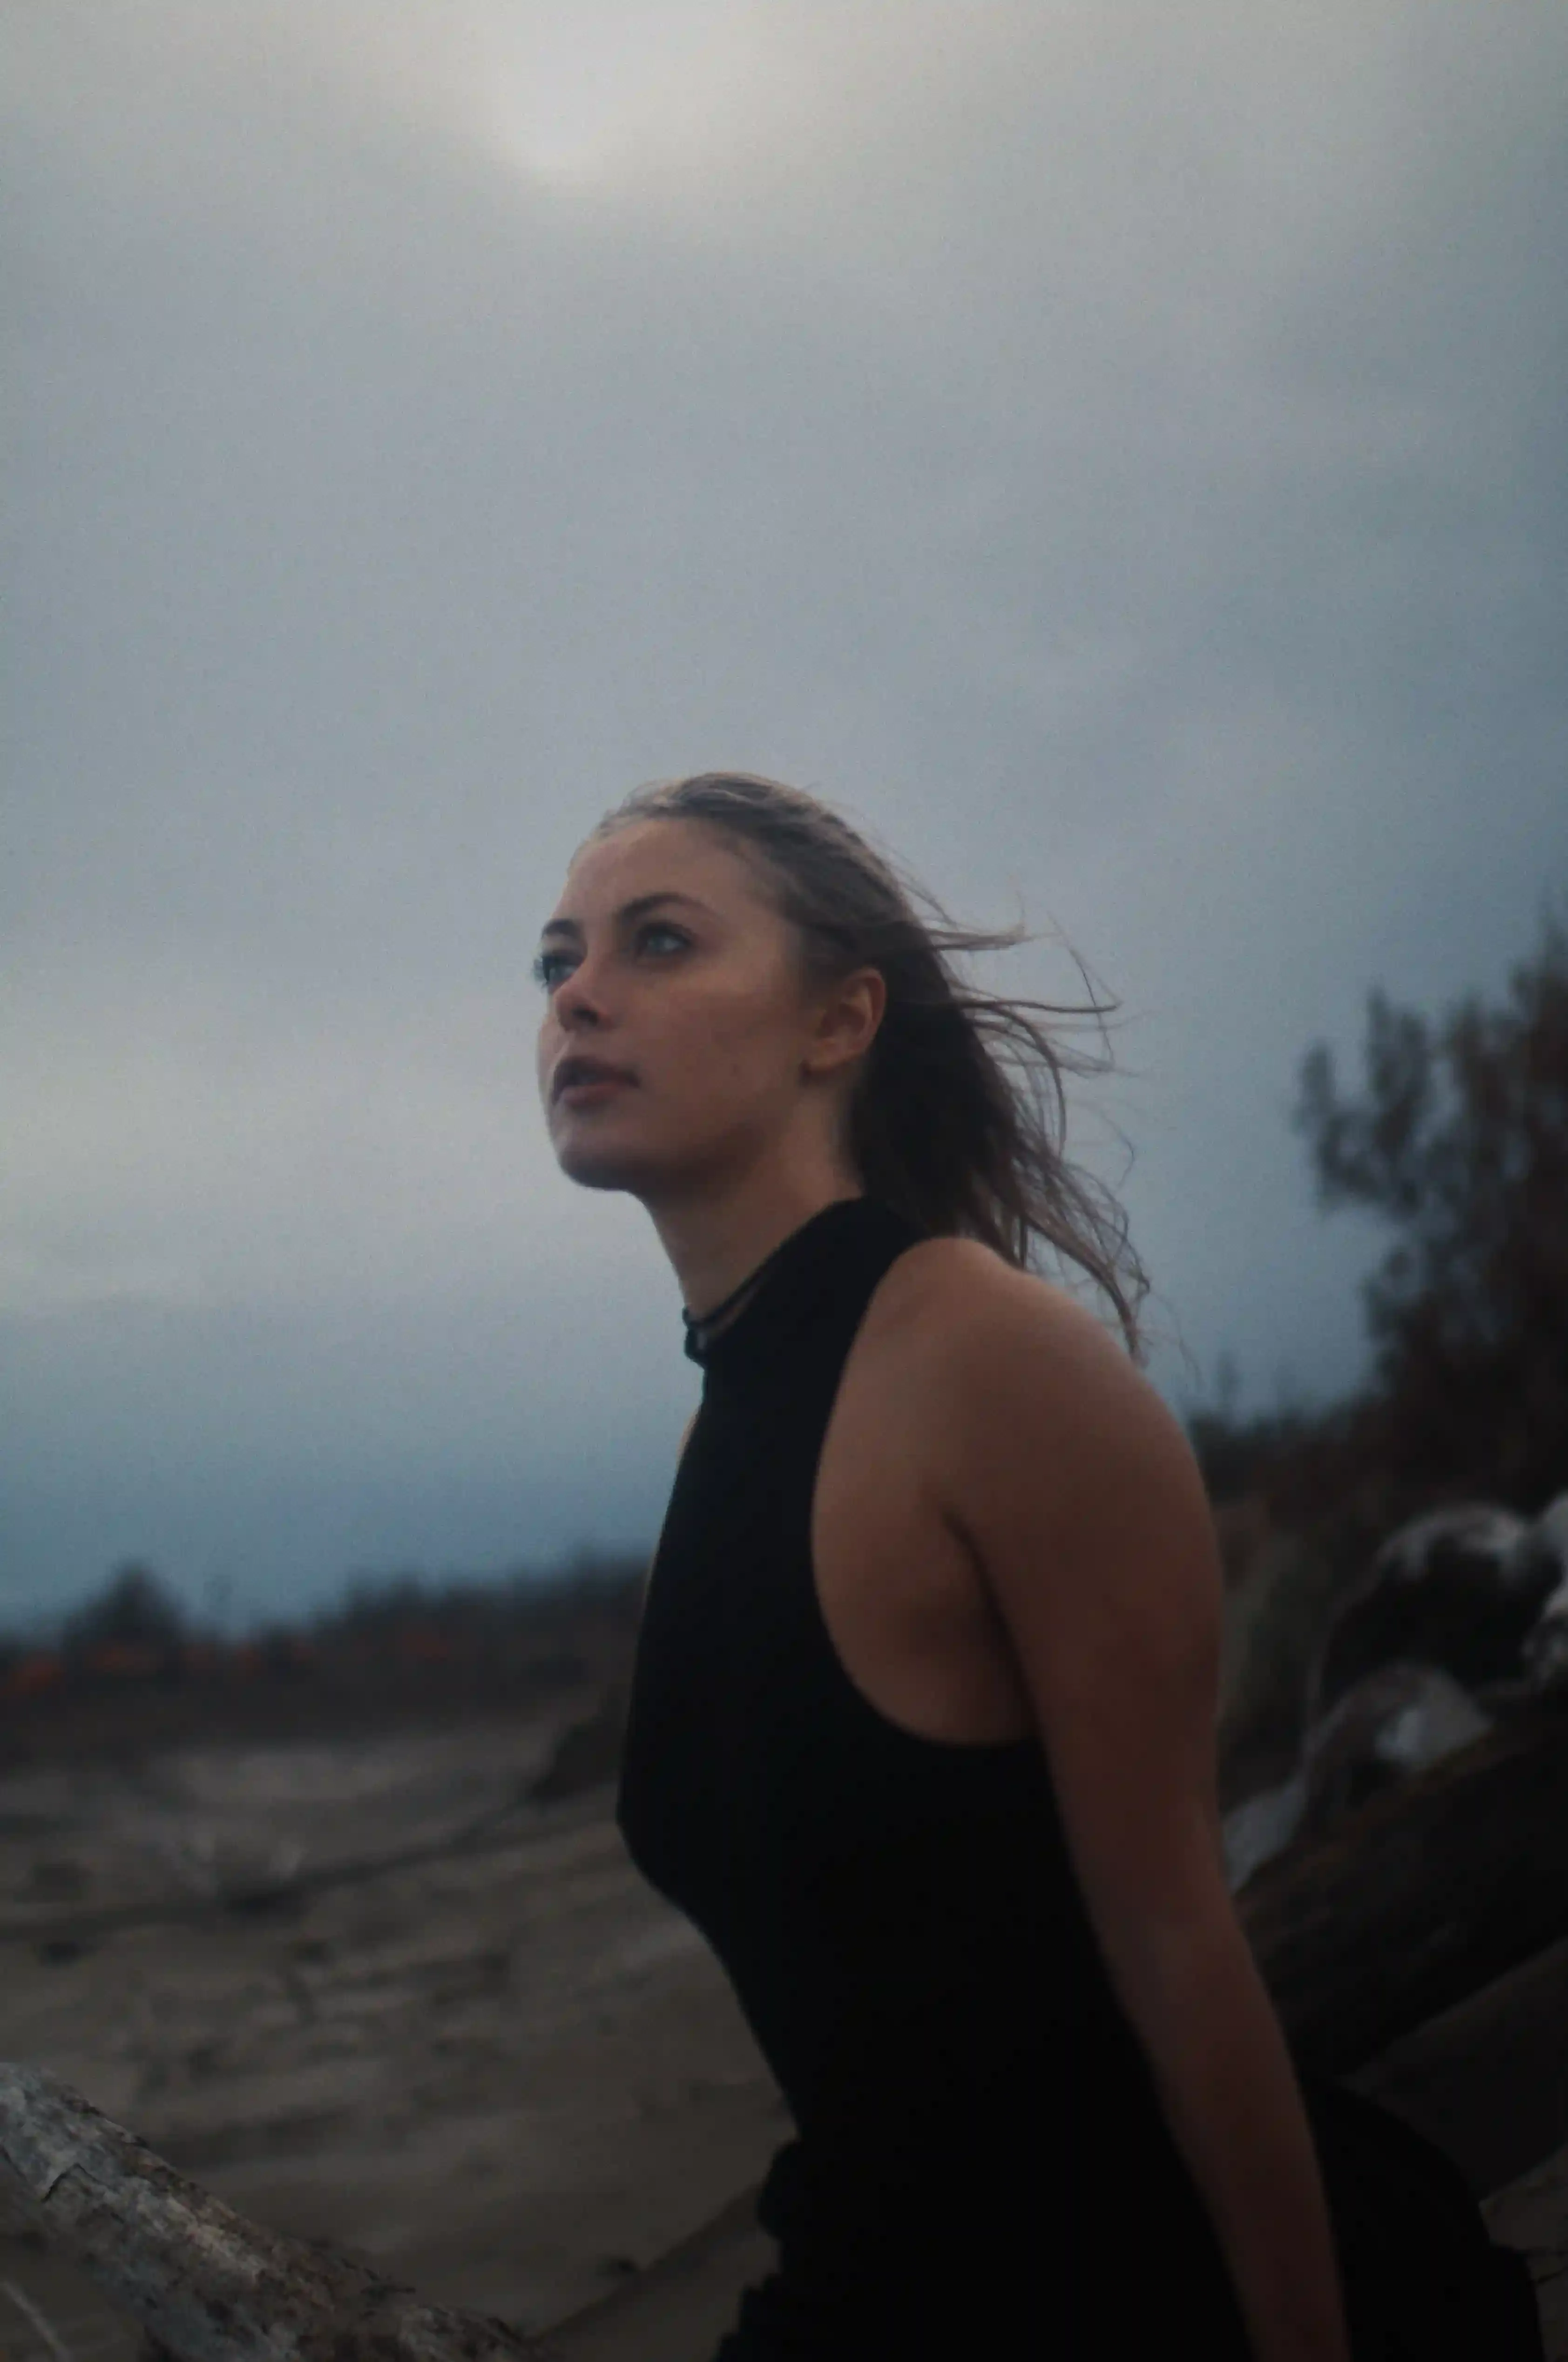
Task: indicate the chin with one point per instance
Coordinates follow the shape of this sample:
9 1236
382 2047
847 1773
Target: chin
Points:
594 1164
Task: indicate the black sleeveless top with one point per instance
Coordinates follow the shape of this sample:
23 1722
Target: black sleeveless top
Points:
980 2162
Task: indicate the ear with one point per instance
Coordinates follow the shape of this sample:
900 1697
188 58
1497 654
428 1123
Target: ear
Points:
847 1021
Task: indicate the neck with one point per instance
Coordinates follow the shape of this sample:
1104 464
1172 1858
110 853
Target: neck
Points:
714 1245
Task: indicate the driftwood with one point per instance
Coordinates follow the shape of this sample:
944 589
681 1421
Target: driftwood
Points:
1419 1898
208 2285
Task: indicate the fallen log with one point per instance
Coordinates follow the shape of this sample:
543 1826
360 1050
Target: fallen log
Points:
1419 1897
208 2285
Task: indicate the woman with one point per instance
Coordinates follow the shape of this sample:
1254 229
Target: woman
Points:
921 1727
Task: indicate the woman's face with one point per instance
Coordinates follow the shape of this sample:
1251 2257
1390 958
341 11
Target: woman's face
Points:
696 997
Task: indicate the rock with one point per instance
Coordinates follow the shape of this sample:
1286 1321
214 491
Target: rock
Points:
1391 1725
1546 1649
1461 1617
1261 1826
1462 1588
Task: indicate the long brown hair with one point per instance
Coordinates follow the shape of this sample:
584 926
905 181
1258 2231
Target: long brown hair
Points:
937 1127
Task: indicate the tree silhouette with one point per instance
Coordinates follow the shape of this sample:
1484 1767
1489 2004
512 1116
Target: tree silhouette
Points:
1468 1314
132 1610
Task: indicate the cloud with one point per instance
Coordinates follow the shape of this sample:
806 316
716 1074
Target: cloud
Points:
1113 452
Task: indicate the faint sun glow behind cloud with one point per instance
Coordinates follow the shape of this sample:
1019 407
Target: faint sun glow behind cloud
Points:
569 93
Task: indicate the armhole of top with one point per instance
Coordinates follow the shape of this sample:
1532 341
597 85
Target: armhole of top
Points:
680 1447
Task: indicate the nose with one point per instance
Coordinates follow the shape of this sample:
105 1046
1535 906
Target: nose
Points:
577 1008
578 1001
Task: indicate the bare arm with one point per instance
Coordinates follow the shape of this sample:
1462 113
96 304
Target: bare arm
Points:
1078 1496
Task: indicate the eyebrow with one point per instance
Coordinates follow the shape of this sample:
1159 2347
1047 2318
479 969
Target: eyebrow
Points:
631 910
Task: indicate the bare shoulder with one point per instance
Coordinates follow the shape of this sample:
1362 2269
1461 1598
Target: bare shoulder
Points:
970 1305
1076 1493
1009 1362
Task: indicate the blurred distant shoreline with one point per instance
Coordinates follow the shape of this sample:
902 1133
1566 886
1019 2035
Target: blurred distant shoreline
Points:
128 1675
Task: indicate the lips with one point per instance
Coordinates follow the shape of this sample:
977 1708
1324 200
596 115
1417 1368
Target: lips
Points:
587 1070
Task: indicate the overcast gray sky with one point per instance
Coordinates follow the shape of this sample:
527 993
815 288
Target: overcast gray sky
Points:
1114 451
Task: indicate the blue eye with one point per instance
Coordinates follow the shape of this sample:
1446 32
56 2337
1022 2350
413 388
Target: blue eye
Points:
545 964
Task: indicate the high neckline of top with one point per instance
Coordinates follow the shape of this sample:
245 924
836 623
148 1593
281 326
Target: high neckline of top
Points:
704 1345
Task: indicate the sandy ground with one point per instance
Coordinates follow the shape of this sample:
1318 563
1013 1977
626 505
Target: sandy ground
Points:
511 2076
508 2074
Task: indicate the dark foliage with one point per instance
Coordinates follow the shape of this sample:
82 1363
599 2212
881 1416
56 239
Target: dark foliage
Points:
134 1610
1460 1141
1236 1454
539 1603
1468 1313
